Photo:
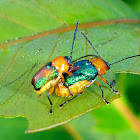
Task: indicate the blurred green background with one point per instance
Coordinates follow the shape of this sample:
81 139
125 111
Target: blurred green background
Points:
107 122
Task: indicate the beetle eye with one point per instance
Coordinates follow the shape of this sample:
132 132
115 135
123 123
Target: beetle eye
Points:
68 60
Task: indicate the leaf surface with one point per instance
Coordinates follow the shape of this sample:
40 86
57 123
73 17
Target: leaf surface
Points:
22 58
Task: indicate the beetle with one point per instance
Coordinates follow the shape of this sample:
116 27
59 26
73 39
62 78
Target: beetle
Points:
50 74
83 77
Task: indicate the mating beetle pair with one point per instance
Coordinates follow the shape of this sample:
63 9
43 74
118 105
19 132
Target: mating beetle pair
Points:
70 78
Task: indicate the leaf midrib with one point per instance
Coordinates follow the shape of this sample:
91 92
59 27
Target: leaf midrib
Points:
69 28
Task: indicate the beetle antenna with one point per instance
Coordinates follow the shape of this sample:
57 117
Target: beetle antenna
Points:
90 44
74 38
124 59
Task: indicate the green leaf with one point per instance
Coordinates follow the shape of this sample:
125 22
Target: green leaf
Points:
10 127
24 18
21 59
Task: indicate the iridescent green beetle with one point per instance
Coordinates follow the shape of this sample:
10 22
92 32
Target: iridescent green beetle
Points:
50 74
85 76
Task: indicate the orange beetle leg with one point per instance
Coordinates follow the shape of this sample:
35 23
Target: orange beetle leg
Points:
69 73
98 84
51 90
105 80
58 78
62 79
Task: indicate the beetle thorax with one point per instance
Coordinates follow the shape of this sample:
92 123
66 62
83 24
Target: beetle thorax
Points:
60 64
99 64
